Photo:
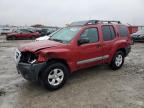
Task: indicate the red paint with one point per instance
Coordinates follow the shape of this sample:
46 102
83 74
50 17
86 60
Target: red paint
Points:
23 35
133 29
72 53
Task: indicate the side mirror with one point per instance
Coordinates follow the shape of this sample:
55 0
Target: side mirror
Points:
83 41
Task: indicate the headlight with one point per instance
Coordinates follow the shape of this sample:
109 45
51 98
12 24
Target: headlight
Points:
28 57
17 56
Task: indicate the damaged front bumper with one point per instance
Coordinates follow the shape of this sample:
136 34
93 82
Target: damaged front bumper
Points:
30 71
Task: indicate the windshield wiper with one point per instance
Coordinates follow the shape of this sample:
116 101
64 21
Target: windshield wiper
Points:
57 40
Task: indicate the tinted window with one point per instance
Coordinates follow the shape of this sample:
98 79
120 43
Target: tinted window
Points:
123 31
24 31
91 34
108 33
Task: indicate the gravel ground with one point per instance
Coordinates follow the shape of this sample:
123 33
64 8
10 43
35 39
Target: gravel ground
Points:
97 87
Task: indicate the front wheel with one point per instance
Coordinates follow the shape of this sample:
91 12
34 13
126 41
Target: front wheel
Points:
11 38
33 37
117 60
55 76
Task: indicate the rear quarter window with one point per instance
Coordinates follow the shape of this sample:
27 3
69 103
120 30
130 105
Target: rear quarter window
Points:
123 31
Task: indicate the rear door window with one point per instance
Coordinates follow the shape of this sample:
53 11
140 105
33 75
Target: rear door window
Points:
108 33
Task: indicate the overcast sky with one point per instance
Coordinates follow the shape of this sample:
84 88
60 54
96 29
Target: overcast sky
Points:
61 12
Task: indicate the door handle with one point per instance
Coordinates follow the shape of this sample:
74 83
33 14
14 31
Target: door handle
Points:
98 46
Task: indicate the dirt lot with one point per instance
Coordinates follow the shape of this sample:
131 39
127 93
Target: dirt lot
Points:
97 87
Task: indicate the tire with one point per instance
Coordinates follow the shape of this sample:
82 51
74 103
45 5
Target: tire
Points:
13 38
7 38
133 41
33 37
118 60
54 76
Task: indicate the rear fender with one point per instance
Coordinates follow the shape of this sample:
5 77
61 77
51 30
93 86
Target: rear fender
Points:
117 46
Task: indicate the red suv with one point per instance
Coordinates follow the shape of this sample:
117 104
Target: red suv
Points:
22 34
80 45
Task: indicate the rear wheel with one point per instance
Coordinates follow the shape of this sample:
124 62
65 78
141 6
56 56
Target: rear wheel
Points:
132 41
117 60
55 76
11 38
8 38
33 37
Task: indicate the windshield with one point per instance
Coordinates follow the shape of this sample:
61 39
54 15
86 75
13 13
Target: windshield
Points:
54 32
65 35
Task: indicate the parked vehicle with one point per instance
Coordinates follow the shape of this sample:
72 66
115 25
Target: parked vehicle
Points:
46 37
22 34
138 36
5 31
0 31
44 32
133 29
81 45
51 30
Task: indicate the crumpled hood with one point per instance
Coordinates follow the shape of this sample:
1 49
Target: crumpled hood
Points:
37 45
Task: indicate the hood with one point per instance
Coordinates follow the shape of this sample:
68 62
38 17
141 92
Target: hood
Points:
136 34
38 45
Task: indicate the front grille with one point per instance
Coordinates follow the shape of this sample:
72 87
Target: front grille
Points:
27 57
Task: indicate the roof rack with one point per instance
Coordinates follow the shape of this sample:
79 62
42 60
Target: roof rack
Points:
92 22
107 21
